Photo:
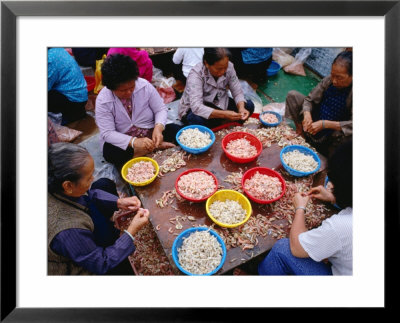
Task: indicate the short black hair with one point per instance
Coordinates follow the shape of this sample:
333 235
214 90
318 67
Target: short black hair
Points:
345 58
117 69
213 55
340 173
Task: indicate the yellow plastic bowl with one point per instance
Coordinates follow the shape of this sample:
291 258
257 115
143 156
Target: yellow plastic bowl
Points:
124 170
224 195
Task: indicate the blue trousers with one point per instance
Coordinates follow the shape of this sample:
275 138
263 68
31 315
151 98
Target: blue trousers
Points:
193 119
280 261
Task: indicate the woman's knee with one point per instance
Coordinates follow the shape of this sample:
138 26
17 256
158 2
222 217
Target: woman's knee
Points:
105 184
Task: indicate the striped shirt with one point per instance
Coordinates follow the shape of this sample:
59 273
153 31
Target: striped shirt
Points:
332 240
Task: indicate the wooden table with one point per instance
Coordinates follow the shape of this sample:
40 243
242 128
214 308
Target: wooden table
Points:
215 161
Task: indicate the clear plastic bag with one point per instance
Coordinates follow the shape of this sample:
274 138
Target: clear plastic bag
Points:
278 107
66 134
250 94
281 57
297 67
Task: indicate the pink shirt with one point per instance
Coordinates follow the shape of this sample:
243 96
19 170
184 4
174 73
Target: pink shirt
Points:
141 57
113 120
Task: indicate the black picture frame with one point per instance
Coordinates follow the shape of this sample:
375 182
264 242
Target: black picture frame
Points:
10 10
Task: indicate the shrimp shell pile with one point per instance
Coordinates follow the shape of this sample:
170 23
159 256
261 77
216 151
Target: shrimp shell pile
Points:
173 162
140 172
194 138
241 148
228 212
263 187
200 253
299 161
196 185
269 118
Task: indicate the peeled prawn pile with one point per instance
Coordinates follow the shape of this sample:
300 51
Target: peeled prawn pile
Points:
269 118
228 212
299 161
140 172
196 185
241 148
194 138
263 187
200 253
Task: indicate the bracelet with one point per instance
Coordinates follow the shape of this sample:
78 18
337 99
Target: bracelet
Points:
161 125
323 124
129 234
300 207
132 141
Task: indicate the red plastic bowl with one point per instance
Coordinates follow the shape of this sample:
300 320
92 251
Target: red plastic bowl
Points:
237 135
191 171
265 171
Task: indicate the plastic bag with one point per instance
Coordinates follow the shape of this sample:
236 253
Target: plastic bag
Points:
66 134
297 67
250 94
97 75
159 80
173 109
167 94
278 107
279 56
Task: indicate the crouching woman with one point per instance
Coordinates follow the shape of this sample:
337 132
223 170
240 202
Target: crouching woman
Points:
82 239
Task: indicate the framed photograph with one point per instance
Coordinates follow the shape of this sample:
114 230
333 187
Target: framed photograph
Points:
371 28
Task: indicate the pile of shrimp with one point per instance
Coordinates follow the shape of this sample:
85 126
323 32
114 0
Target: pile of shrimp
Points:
241 148
263 187
200 253
299 161
228 211
196 185
141 171
269 118
194 138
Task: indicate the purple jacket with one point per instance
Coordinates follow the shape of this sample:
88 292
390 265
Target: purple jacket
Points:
113 120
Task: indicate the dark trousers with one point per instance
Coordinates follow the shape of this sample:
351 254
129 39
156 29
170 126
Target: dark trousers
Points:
107 185
71 111
193 119
118 157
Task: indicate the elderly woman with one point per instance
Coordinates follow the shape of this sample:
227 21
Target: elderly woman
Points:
82 239
205 100
325 115
327 249
130 113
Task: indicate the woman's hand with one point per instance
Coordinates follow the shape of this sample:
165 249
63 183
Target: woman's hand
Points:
245 114
139 220
307 121
157 136
315 127
143 146
131 203
322 194
232 115
300 200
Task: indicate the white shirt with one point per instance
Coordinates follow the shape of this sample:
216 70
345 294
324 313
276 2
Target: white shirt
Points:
189 58
333 239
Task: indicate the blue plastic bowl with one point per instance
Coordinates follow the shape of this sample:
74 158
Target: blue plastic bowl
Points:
325 184
178 243
304 150
196 150
271 124
273 68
